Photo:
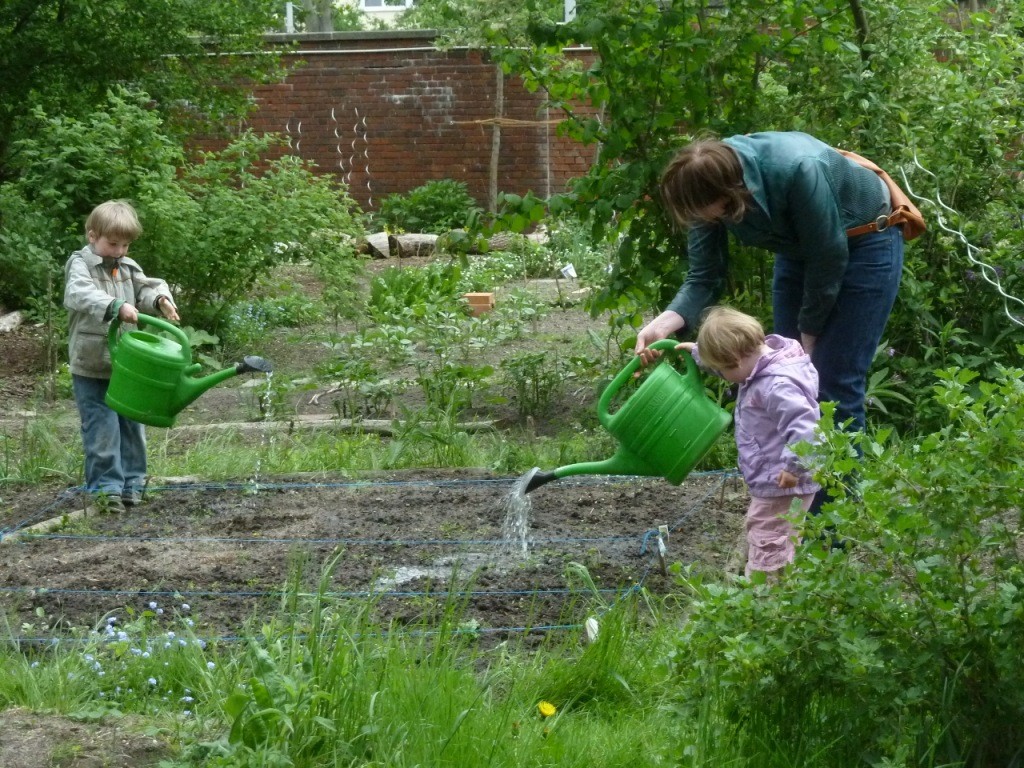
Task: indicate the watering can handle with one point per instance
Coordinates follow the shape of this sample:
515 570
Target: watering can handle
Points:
163 325
667 345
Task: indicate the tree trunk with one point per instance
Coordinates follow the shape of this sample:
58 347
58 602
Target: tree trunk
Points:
378 245
499 109
860 21
406 246
319 15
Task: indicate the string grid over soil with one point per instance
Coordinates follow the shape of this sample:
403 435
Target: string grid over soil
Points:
405 543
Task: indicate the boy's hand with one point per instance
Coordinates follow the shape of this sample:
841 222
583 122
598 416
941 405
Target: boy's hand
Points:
787 479
128 313
167 309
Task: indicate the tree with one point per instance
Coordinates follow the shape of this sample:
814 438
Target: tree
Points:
477 22
318 15
63 56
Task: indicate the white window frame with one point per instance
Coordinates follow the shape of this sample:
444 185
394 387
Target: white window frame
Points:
383 6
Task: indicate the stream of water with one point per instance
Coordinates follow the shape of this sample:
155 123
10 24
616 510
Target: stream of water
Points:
267 439
516 524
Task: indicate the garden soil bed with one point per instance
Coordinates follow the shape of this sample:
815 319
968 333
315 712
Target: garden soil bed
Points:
405 542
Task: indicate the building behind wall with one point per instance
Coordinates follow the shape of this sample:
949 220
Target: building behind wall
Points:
387 112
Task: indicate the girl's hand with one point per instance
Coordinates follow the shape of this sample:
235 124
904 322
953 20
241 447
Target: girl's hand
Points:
689 346
787 479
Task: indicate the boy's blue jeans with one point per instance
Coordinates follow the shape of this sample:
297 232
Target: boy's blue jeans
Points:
115 446
846 347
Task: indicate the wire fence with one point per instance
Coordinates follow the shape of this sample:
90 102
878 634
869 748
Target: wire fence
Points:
649 545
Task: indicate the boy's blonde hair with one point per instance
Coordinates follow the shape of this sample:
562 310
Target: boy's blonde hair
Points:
114 218
726 336
700 175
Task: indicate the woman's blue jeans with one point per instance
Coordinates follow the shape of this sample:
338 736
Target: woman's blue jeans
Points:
846 347
115 446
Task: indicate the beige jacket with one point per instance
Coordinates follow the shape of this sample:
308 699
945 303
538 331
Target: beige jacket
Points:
93 294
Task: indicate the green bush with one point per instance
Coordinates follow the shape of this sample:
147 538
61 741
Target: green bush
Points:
212 228
903 642
62 171
435 207
536 378
398 291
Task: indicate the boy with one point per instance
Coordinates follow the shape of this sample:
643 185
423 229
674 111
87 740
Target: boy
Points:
103 283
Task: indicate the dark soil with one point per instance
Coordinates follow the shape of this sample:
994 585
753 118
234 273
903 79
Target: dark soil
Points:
23 361
403 540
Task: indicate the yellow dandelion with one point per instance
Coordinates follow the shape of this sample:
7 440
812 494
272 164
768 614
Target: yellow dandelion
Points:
546 709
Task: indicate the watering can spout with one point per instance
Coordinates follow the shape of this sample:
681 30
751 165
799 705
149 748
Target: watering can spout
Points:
621 463
190 388
253 364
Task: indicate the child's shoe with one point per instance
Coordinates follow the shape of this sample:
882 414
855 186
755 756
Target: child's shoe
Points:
105 504
131 498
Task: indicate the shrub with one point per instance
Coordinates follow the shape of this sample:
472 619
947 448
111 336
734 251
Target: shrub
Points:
904 641
437 206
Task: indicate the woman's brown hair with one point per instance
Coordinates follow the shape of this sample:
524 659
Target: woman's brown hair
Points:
700 175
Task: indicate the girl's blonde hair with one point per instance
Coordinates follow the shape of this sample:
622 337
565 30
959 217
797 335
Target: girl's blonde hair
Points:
700 175
726 336
114 218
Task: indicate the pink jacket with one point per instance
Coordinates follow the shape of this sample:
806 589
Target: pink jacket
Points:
777 407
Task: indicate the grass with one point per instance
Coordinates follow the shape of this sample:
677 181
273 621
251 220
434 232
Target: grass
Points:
319 685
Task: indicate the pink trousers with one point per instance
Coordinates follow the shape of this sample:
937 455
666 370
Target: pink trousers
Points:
771 540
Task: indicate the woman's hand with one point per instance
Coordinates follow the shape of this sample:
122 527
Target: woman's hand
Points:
807 342
661 327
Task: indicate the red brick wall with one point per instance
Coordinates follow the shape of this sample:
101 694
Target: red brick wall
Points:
387 112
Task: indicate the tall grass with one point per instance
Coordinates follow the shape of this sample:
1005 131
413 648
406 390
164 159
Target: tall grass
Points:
429 440
319 684
38 449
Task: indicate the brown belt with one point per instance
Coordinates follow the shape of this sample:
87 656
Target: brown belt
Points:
880 224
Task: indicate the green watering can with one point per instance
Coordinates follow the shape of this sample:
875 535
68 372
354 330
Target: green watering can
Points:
153 376
663 428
